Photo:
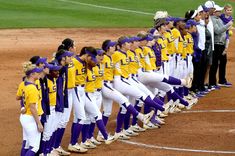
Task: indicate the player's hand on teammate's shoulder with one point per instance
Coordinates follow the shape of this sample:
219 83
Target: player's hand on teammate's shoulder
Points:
23 110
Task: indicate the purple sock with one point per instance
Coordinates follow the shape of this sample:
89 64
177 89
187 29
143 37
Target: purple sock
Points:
101 127
131 109
151 103
30 152
159 101
23 150
85 130
147 109
171 80
59 136
47 147
120 120
91 130
43 146
186 91
52 141
75 131
181 92
127 120
134 119
105 119
175 96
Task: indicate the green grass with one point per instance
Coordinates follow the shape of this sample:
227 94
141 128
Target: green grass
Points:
54 13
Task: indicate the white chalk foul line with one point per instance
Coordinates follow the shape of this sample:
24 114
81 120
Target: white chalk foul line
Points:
106 7
209 111
176 149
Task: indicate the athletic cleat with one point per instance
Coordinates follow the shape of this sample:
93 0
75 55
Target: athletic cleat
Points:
100 138
110 140
121 136
137 128
94 141
150 125
160 121
162 115
61 151
54 153
147 117
76 148
88 145
130 133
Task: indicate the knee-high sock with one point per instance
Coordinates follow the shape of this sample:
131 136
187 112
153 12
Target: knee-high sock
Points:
120 120
134 119
172 80
153 104
127 120
105 119
85 130
91 130
159 101
174 96
181 92
75 132
59 136
186 91
147 109
30 152
23 150
101 127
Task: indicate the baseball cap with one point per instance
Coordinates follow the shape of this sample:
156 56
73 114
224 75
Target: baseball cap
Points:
218 8
178 19
34 70
149 37
210 4
125 40
135 38
169 19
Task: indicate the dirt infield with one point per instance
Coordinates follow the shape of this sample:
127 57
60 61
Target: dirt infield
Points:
209 132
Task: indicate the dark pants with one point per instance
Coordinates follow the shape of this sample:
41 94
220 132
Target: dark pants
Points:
196 71
220 61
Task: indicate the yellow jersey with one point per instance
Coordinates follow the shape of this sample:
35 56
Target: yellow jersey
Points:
134 64
108 68
121 64
90 81
140 55
30 95
52 91
170 42
150 59
71 75
99 73
190 43
176 34
80 77
163 43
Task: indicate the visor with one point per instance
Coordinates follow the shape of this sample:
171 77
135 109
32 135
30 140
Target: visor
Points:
41 60
93 56
66 53
100 51
210 4
194 14
34 70
52 67
125 40
110 44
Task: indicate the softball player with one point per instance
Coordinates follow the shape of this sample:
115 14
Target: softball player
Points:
91 107
30 121
62 58
51 124
98 72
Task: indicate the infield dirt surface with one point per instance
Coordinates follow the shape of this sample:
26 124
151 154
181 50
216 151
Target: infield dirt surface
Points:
204 131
